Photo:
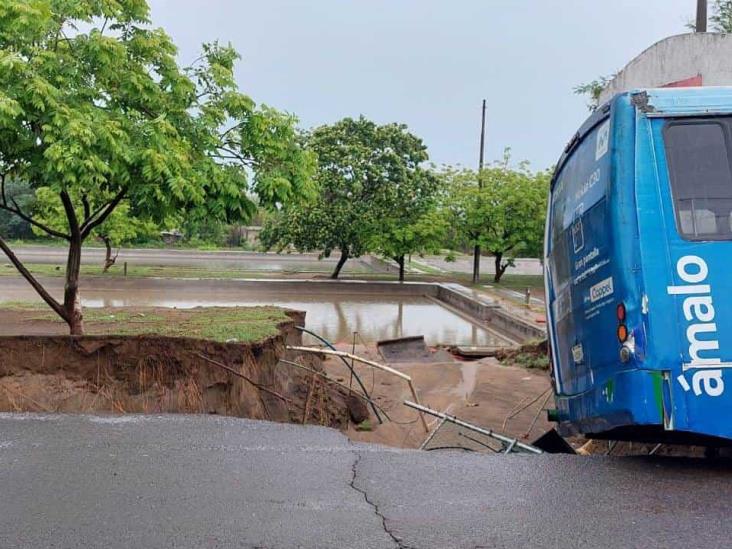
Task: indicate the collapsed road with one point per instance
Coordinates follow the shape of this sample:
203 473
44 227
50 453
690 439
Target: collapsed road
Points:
210 481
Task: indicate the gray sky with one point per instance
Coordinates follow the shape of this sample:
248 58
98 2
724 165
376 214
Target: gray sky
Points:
428 63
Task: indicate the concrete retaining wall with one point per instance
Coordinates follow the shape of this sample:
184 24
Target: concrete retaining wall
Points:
488 311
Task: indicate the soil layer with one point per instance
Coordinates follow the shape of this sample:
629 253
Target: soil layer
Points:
151 373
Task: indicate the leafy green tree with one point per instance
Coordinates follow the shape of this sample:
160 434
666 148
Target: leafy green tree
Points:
94 107
505 216
417 232
121 227
368 177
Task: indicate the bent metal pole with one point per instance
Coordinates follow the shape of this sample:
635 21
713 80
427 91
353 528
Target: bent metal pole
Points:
512 442
392 371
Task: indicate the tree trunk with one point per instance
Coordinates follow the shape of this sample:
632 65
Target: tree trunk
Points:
48 298
341 262
500 269
476 264
400 261
108 259
72 300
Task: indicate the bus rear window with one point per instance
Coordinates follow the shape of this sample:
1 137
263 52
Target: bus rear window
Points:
701 179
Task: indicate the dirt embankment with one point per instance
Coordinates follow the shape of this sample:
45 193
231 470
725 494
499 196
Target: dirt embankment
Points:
163 374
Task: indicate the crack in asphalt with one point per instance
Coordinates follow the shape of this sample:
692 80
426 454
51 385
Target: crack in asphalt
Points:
374 506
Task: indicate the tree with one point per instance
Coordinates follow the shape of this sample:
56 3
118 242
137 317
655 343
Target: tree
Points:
516 211
368 176
95 108
506 216
422 229
121 227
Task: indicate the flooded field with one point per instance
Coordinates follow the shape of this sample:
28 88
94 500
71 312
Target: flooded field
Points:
335 316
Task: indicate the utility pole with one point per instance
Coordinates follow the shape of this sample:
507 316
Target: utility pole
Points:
476 250
701 16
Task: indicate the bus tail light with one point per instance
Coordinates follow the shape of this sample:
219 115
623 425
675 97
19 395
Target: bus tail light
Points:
620 312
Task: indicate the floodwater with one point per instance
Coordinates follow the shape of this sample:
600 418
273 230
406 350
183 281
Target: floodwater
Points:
334 316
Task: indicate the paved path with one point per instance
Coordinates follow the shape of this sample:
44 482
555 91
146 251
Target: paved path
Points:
464 264
205 481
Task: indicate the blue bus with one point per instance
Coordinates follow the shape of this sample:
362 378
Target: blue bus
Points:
638 273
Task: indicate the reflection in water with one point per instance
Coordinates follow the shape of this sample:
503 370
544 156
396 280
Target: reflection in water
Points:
335 317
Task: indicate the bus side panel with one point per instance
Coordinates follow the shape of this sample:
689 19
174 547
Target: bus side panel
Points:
700 393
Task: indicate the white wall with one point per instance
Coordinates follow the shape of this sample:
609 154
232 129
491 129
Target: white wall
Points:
677 58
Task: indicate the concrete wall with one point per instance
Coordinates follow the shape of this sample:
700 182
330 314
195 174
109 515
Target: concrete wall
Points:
674 59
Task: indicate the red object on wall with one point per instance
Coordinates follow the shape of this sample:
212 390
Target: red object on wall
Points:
693 82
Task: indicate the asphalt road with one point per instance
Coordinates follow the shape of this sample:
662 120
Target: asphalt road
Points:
206 481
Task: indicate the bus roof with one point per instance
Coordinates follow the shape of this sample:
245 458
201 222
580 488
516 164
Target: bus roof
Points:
693 101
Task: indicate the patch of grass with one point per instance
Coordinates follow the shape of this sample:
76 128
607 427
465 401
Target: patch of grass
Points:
22 306
243 324
520 282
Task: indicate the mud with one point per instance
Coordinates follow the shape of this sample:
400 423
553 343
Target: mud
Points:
482 392
153 374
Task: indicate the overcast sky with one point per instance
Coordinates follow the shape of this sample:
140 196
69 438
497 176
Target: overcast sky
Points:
428 63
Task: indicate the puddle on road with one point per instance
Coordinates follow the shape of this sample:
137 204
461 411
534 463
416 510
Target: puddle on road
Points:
469 373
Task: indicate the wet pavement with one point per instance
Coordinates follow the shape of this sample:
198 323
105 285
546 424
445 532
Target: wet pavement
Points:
333 314
205 481
464 264
224 259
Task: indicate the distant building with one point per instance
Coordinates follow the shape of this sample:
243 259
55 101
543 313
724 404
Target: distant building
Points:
685 60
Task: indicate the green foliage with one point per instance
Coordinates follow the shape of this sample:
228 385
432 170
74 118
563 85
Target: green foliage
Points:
412 223
110 111
424 234
722 16
505 216
593 90
370 181
95 109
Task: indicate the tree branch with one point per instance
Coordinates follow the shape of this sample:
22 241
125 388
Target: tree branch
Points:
89 226
237 156
70 213
17 211
48 298
87 208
